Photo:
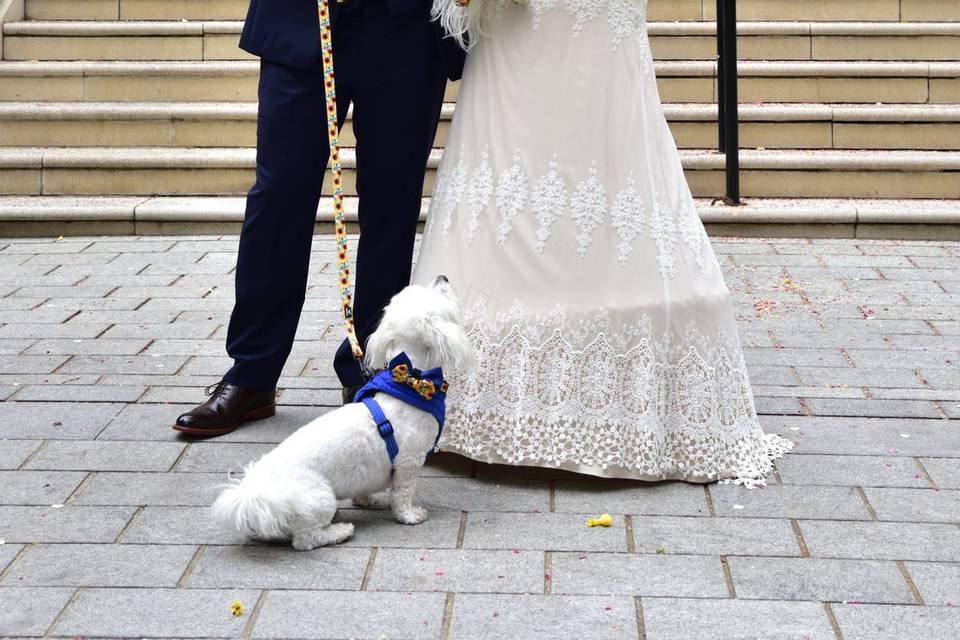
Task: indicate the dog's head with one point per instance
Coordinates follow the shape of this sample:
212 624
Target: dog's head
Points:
423 321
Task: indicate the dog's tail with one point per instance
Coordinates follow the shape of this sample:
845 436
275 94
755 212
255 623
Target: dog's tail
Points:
260 506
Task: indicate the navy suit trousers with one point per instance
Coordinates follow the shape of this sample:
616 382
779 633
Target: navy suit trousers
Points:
388 68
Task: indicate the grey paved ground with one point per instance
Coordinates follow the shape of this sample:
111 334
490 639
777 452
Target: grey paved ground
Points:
852 347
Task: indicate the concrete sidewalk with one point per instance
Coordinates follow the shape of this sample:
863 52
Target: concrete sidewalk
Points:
852 346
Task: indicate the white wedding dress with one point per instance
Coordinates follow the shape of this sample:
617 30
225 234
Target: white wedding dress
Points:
605 333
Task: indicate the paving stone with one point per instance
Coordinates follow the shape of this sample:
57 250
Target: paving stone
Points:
157 613
671 498
868 436
7 390
38 487
220 457
78 346
348 614
80 393
468 494
7 553
638 575
161 331
715 536
177 525
66 524
14 346
124 364
795 357
938 582
458 570
159 489
55 420
279 567
378 528
818 580
71 330
30 364
478 616
447 465
850 471
821 502
871 407
100 565
102 455
14 453
29 611
944 471
693 619
541 531
891 622
915 505
882 540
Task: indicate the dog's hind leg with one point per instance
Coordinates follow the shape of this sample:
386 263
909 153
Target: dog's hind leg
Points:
379 500
318 529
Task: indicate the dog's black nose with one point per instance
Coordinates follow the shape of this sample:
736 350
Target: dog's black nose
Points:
441 279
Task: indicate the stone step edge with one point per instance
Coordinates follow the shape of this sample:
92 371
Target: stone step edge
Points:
132 158
692 112
664 68
94 28
231 208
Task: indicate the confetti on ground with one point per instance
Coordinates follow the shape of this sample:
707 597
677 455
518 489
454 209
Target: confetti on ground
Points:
2 542
904 435
236 608
603 521
738 507
661 550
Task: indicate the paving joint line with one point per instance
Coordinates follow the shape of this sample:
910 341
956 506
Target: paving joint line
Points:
547 573
641 626
910 583
866 503
728 577
56 621
188 571
461 530
126 527
553 496
79 488
365 581
23 465
254 615
709 498
628 527
833 620
798 534
19 554
447 616
926 474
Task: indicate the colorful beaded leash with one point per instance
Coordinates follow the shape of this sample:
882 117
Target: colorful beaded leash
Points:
333 134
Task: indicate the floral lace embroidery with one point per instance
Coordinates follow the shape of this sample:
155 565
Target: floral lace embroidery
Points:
511 197
589 206
663 232
478 194
626 401
627 217
451 193
548 200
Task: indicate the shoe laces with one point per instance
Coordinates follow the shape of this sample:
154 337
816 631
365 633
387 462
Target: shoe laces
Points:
216 389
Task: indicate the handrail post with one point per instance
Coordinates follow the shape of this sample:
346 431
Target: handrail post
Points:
728 100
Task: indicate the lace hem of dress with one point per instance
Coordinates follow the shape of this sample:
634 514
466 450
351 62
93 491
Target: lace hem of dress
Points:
628 405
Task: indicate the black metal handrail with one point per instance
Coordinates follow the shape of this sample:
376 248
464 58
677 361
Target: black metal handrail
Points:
728 118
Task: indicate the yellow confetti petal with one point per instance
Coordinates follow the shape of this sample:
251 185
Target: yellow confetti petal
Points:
603 521
236 608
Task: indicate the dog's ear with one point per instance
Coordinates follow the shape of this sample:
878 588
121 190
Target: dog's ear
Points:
452 346
379 346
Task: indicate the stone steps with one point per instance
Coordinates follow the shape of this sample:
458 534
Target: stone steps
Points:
217 40
153 215
679 81
186 124
229 171
683 10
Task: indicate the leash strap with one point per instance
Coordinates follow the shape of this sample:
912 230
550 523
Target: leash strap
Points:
383 426
333 134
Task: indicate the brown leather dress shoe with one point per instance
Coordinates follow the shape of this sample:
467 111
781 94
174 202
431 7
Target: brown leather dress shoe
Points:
228 407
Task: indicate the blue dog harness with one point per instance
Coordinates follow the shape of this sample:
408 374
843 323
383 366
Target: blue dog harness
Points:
425 390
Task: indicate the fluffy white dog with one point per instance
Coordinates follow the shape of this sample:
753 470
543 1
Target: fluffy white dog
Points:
291 492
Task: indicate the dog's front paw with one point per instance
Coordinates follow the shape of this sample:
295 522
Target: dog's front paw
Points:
411 515
322 536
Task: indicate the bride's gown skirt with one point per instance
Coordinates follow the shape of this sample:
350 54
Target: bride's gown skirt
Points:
605 333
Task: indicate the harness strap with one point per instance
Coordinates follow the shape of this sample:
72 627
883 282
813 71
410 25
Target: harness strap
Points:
383 426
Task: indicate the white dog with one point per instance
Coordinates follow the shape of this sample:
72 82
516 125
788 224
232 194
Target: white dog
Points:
291 492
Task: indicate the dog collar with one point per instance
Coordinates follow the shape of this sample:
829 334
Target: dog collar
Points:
425 390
